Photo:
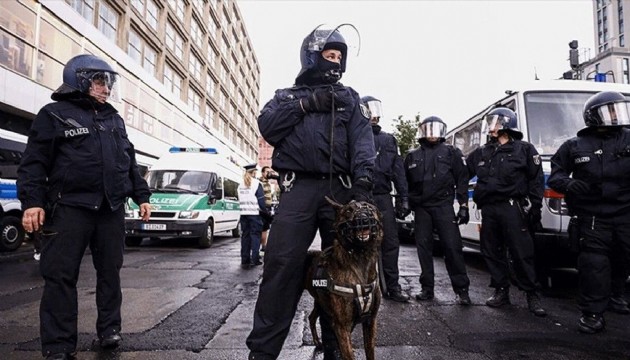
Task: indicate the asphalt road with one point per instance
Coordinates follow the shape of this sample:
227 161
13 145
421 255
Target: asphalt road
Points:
181 302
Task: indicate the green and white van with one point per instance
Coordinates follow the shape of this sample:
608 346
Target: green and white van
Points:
195 195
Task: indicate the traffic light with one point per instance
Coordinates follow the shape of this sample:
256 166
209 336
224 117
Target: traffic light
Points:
574 57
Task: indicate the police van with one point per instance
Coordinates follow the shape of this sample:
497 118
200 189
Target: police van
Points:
195 195
12 233
549 113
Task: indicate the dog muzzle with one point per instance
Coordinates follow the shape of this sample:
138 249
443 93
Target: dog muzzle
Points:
357 232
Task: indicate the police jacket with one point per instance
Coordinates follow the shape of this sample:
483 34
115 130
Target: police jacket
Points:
509 171
602 161
436 174
78 154
388 165
302 141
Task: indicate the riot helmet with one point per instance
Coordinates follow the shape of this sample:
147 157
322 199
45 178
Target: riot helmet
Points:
374 107
314 67
79 74
607 108
502 120
432 127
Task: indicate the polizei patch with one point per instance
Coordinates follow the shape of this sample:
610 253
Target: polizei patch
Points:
76 132
581 160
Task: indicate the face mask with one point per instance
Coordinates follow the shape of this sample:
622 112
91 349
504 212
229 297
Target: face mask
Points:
330 72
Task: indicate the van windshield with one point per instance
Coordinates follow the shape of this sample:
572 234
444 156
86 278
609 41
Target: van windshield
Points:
553 118
184 180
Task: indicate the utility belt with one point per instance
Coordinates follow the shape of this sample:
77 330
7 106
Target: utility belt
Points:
288 177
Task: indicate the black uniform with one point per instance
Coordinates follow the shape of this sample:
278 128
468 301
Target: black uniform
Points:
388 167
508 177
79 166
437 175
302 148
603 213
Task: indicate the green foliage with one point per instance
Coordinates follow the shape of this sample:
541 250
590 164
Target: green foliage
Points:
406 133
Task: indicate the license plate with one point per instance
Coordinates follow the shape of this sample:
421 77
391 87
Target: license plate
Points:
153 226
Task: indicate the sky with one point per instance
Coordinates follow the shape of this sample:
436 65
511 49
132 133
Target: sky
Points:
445 58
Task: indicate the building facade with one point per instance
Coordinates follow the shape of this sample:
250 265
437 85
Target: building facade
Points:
188 74
612 48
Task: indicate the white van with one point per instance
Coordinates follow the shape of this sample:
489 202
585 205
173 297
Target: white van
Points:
549 113
12 233
195 195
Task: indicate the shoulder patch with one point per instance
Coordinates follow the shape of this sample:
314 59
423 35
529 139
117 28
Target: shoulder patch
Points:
365 111
536 159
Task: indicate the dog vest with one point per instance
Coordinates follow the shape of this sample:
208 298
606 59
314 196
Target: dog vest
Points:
362 294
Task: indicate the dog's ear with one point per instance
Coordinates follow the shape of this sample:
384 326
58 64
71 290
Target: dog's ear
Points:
333 203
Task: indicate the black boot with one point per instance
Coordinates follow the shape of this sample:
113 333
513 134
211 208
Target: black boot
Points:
462 297
501 297
533 303
425 294
397 295
591 323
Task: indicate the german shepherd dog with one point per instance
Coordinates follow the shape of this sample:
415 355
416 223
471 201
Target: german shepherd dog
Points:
343 279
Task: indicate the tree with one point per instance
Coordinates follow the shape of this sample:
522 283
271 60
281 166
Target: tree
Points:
406 133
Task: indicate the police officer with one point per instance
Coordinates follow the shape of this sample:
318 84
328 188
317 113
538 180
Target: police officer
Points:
76 172
593 171
323 146
251 197
509 191
388 167
437 175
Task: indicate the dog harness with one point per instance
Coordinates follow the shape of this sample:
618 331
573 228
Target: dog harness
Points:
362 294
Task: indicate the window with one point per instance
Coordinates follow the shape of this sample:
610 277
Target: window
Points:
174 41
148 10
210 86
212 27
141 52
211 56
626 70
194 66
194 100
84 7
172 80
198 4
222 100
208 121
179 7
195 32
107 20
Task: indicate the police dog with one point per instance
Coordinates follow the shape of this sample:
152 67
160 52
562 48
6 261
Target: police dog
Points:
343 279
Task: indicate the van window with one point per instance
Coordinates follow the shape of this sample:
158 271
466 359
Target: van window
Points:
469 138
230 189
197 181
553 118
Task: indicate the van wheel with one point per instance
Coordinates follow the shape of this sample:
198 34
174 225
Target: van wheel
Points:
236 232
11 233
205 241
133 241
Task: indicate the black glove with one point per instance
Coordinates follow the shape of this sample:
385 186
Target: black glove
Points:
362 190
578 187
462 215
402 207
319 101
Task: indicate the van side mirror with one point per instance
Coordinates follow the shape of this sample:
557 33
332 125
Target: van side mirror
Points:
212 199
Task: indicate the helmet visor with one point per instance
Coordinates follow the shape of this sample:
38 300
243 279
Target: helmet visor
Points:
432 129
614 114
492 123
98 80
376 108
